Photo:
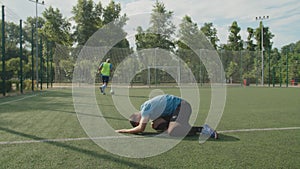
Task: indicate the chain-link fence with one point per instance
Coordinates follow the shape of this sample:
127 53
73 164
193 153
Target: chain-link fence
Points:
152 68
240 68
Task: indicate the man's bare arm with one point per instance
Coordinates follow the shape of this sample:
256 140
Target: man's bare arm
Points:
138 129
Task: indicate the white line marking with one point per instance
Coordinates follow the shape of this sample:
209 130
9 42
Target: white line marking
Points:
29 96
64 139
263 129
118 137
26 97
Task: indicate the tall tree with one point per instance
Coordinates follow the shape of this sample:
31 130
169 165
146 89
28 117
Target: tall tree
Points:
234 39
111 12
11 50
267 37
11 40
250 45
188 36
30 24
211 33
115 21
160 31
292 53
188 31
87 17
56 28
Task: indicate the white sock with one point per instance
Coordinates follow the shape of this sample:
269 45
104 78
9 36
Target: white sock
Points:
103 88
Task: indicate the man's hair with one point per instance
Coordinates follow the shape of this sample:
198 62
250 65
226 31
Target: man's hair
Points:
133 123
134 119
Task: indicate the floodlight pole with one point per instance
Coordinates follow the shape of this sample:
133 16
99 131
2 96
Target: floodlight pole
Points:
37 39
261 18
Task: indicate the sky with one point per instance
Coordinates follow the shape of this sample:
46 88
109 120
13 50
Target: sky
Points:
284 15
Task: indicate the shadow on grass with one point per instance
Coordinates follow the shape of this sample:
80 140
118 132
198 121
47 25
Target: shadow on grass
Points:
105 117
134 96
92 115
78 149
222 137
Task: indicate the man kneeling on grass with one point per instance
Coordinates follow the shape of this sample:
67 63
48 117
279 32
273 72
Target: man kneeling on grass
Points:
169 114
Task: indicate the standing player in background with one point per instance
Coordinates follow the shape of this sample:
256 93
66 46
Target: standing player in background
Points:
105 70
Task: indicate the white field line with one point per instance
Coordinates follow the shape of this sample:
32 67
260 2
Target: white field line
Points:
118 137
67 139
29 96
23 98
263 129
62 140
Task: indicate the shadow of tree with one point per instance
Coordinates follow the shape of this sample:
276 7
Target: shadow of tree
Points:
78 149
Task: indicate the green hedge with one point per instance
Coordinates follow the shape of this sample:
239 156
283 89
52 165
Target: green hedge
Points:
8 85
27 84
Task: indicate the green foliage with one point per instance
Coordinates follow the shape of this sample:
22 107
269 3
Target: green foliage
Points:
250 45
56 28
189 40
87 17
67 67
160 31
27 84
232 68
211 33
8 86
111 12
267 37
234 39
30 25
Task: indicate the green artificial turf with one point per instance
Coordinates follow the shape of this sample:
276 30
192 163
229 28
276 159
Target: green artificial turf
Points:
51 115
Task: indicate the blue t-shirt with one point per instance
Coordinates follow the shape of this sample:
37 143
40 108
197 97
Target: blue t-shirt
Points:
162 105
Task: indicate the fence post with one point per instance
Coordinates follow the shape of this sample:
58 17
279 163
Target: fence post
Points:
51 60
241 69
256 70
32 58
47 68
273 77
21 59
269 66
3 53
41 63
287 70
280 74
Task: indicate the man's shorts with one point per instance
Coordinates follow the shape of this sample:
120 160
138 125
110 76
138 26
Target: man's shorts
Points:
185 108
168 119
105 79
175 114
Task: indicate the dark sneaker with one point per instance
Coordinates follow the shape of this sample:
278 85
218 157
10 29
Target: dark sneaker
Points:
214 135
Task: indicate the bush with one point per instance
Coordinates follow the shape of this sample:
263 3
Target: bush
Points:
8 86
27 84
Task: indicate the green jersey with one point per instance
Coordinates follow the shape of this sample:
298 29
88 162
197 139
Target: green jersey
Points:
106 67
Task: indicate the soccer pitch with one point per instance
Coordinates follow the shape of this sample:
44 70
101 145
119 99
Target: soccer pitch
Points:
260 128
